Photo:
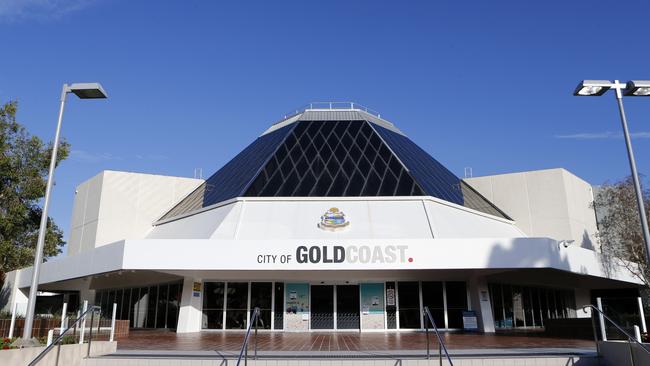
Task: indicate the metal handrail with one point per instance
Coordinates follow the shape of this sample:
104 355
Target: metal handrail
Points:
58 339
629 337
441 343
244 347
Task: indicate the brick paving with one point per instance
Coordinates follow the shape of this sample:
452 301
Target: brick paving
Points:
336 341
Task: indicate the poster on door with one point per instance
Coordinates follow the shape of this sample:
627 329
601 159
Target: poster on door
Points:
372 298
297 298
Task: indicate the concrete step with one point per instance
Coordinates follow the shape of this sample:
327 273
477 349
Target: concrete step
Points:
465 361
483 357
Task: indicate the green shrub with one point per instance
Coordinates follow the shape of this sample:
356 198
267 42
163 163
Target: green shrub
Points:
5 343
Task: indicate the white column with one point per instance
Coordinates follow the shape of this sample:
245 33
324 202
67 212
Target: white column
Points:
189 317
64 313
272 305
248 304
601 319
113 322
13 320
642 314
421 305
444 304
479 294
83 323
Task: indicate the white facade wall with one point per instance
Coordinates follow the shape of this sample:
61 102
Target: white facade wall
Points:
283 218
544 203
114 206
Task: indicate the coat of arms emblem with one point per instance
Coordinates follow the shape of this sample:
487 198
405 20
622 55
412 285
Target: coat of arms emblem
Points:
333 220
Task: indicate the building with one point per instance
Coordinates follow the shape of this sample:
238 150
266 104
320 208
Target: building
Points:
552 203
332 219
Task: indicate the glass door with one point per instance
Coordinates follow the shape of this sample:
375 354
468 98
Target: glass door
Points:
347 307
409 305
236 305
322 307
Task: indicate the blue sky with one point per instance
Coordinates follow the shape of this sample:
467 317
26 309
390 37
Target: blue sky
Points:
478 84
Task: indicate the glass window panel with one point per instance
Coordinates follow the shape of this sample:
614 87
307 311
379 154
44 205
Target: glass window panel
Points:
571 303
213 295
356 184
559 303
347 307
322 307
436 180
432 297
528 311
456 303
104 301
355 153
261 297
135 302
507 306
151 307
372 184
173 304
161 314
409 305
364 165
534 294
496 300
388 185
279 306
338 186
322 185
143 307
518 306
125 314
236 305
233 177
379 165
109 304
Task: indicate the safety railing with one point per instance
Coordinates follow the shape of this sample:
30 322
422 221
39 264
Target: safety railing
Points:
441 344
57 342
630 338
331 106
243 353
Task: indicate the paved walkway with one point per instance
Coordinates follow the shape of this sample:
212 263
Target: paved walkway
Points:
158 340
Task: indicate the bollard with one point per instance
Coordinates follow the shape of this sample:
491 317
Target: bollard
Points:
113 322
603 330
637 333
642 314
90 334
64 318
83 323
50 335
13 320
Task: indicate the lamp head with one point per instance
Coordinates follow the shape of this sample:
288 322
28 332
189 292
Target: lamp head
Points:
637 88
88 90
592 88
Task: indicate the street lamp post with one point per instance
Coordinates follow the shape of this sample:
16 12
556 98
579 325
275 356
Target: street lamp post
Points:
637 88
83 91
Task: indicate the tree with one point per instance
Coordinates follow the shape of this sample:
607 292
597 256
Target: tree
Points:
24 164
619 227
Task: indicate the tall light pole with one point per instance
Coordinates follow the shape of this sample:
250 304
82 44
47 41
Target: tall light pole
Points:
634 88
83 91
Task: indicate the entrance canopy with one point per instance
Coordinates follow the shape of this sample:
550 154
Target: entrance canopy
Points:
238 256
